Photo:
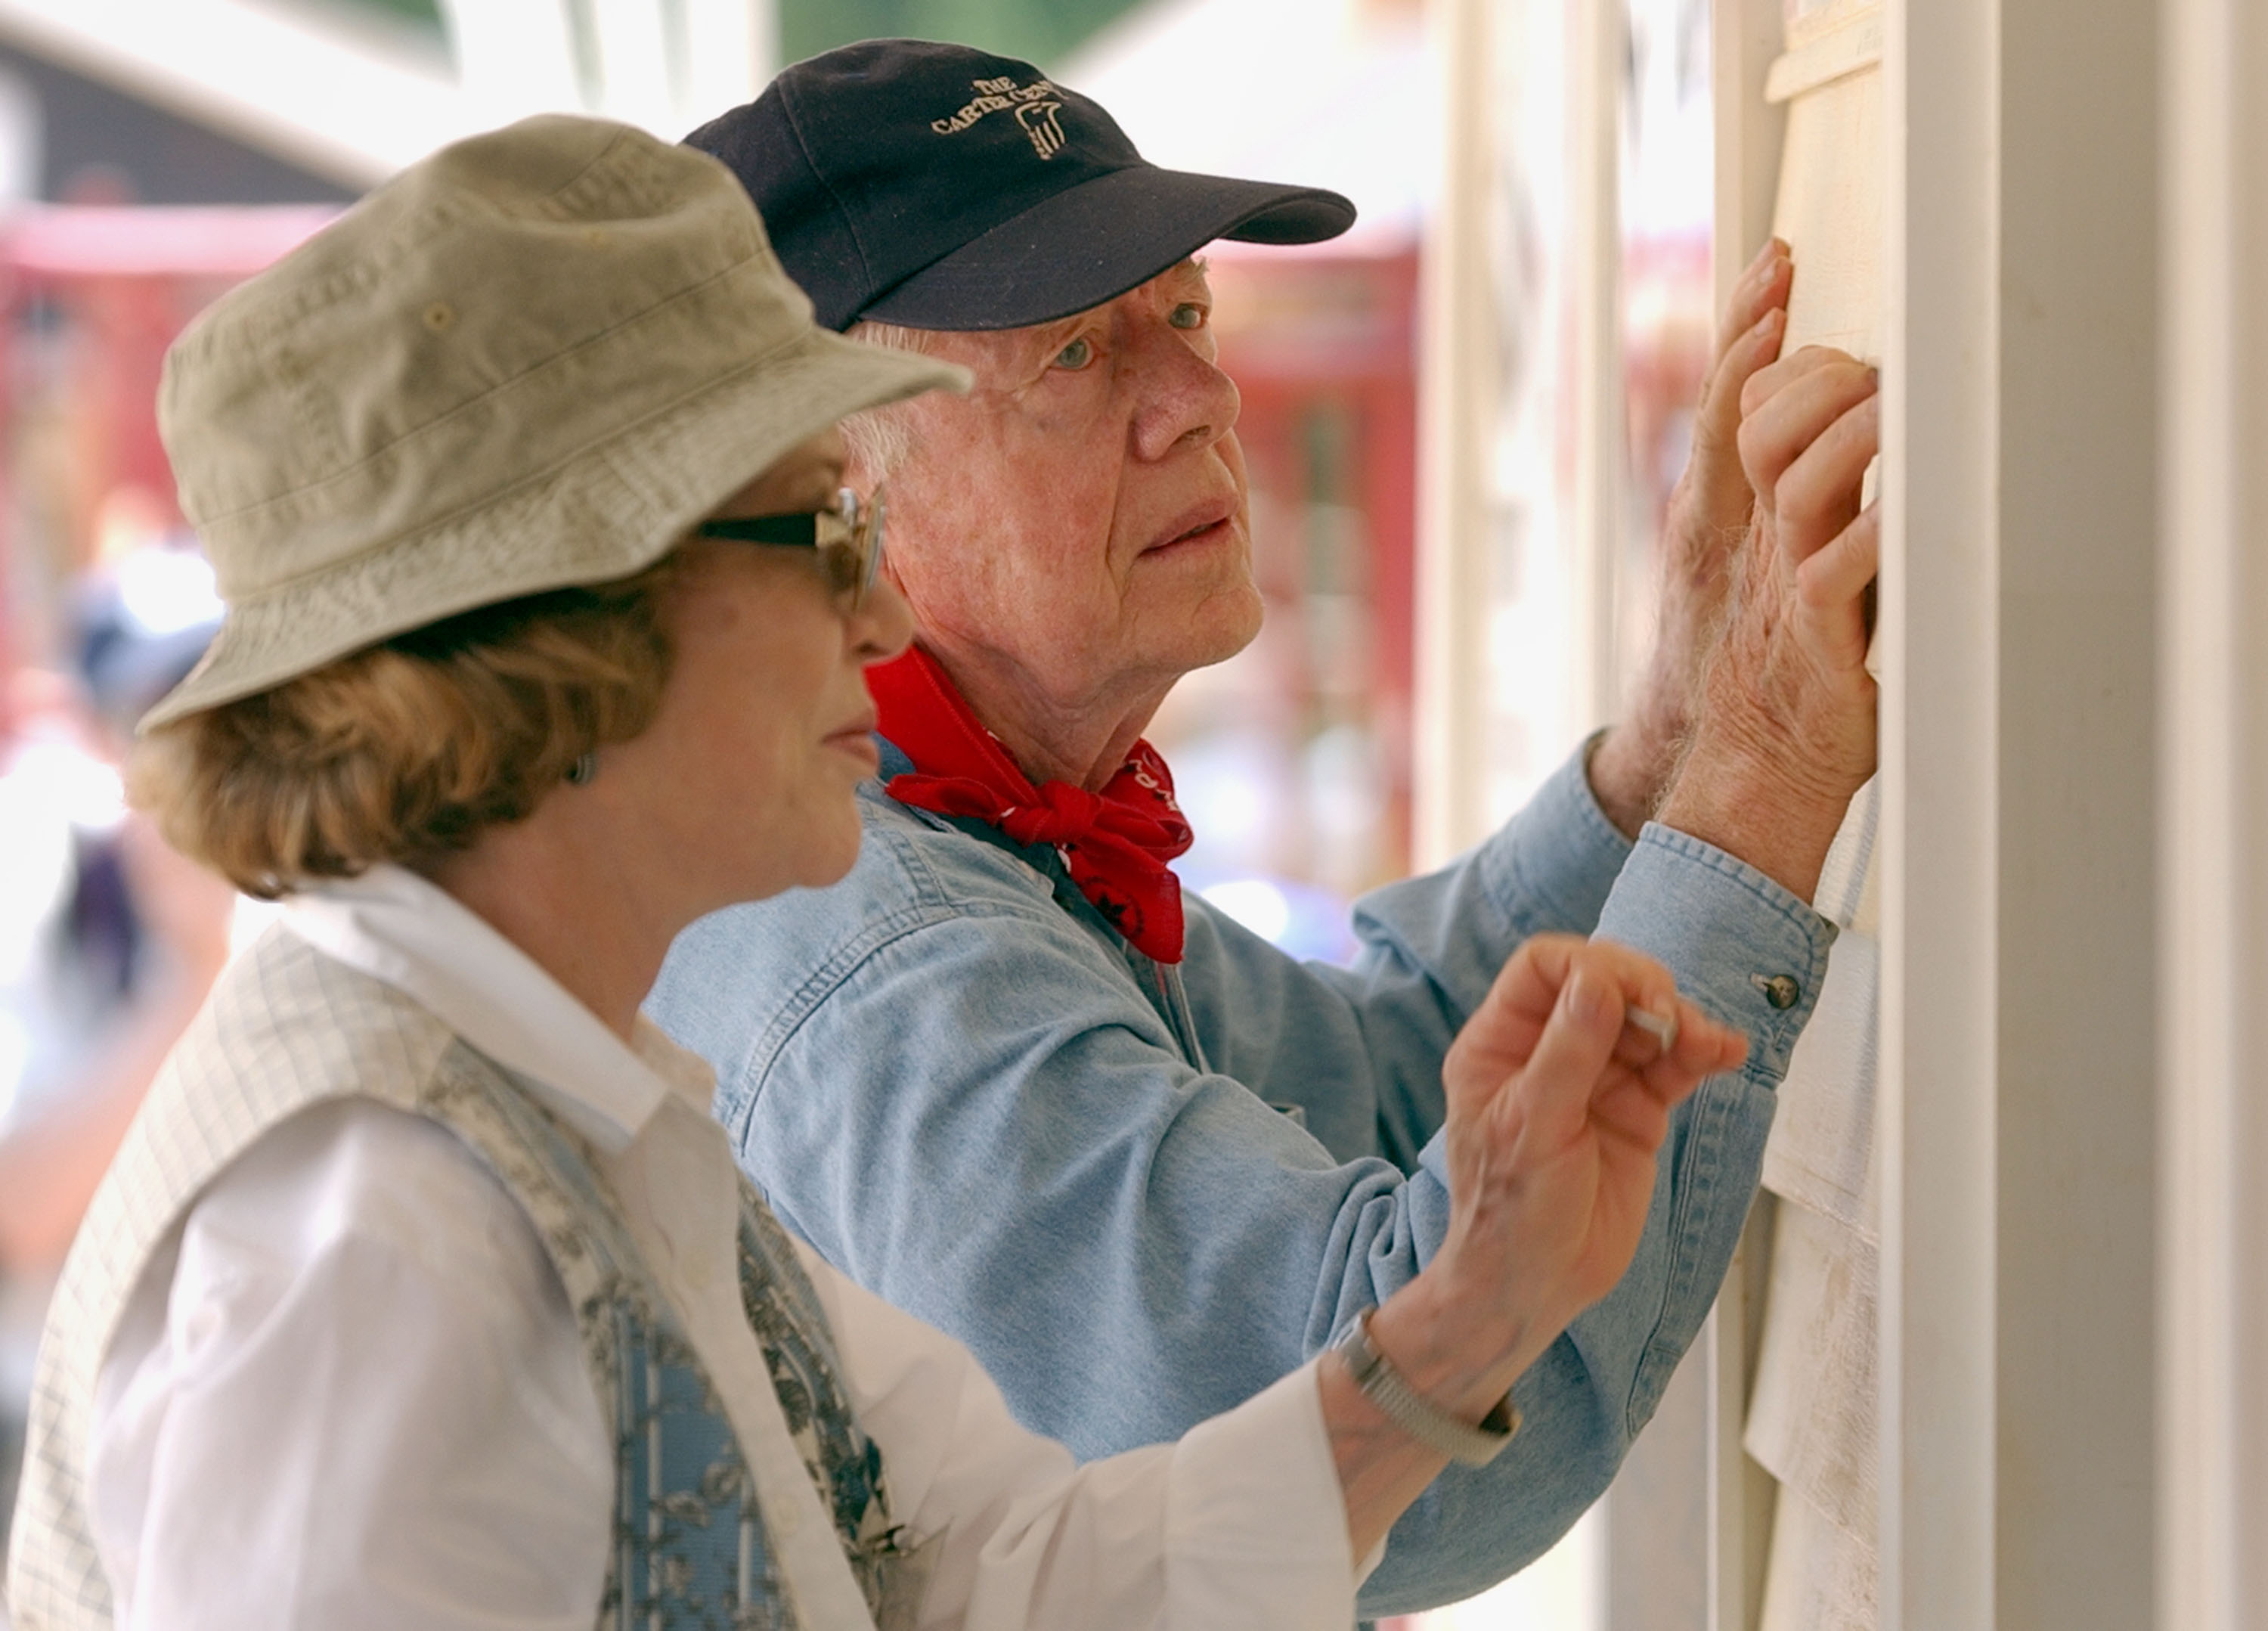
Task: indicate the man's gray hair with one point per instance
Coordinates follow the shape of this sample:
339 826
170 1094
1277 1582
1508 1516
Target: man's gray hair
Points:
879 440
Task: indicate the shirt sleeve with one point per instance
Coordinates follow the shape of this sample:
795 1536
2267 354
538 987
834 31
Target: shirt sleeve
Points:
1240 1524
352 1397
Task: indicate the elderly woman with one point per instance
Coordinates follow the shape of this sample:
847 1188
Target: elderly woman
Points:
424 1291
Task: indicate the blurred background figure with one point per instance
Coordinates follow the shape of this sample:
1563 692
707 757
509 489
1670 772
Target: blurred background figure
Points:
108 940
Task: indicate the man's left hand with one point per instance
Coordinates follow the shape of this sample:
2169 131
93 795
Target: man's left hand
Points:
1709 514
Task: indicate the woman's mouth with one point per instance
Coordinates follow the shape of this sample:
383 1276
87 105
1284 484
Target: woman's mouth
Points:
857 741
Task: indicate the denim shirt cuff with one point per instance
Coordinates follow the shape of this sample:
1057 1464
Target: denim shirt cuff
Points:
1553 865
1743 949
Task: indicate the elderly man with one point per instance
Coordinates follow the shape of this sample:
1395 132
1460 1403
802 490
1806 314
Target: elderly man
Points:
1008 1075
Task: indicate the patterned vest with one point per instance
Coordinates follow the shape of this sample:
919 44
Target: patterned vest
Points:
288 1028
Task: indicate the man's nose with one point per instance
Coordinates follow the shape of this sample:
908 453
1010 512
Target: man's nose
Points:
1183 399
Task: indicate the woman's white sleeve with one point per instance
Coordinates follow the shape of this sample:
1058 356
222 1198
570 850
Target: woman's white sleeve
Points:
1240 1524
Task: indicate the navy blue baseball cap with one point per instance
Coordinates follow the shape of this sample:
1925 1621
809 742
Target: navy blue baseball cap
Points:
938 187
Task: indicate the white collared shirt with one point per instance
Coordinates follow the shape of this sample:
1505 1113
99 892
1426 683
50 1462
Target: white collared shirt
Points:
351 1394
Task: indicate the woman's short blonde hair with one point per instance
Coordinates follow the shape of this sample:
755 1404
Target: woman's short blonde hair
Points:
407 751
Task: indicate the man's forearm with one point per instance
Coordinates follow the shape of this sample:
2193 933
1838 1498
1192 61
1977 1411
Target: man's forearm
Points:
1753 956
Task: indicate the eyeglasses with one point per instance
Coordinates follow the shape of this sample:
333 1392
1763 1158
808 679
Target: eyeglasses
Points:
848 537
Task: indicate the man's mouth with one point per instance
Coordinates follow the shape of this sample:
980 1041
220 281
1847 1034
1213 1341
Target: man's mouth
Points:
1199 522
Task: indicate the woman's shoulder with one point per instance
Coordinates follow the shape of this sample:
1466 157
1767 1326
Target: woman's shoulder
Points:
284 1003
289 1026
286 1029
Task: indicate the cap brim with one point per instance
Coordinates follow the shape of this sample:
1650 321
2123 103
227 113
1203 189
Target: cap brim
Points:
611 510
1093 242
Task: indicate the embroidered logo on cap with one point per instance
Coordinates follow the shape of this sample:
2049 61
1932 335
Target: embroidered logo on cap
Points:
1039 121
1036 108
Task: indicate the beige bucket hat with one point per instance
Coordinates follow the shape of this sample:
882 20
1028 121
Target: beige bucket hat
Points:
534 359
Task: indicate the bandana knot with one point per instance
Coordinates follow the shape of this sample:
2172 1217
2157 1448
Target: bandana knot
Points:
1063 815
1115 843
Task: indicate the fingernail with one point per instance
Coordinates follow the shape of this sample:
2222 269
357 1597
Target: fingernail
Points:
1661 1027
1585 1000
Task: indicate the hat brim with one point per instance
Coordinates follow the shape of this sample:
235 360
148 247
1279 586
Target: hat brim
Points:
610 510
1091 243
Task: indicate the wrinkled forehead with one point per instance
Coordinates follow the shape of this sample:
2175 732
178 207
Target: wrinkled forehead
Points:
1184 280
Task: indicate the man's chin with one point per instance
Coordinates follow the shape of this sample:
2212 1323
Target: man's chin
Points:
1222 628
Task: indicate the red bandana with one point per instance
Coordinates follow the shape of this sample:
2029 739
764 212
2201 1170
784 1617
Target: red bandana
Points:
1115 843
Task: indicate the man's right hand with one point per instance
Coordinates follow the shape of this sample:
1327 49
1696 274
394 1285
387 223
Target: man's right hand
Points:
1556 1108
1785 727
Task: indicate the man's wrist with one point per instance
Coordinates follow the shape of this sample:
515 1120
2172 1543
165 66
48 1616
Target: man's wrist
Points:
1750 804
1628 770
1612 771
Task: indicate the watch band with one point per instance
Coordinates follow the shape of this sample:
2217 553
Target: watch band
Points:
1414 1414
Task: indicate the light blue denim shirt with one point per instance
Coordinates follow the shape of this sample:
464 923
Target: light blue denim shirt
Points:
1142 1194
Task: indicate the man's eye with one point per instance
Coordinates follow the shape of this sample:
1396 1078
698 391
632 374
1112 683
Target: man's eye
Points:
1188 314
1077 355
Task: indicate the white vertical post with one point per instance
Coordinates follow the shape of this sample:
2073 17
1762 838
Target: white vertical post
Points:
666 64
1740 1493
1459 386
634 43
1744 36
2213 1334
726 51
1939 741
2076 1220
2018 839
1600 38
514 57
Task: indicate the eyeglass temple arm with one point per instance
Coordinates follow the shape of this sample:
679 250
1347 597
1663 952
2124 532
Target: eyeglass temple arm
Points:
764 529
